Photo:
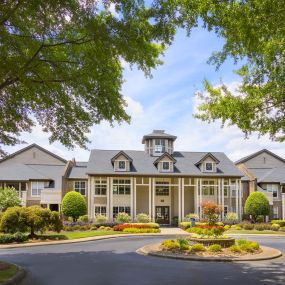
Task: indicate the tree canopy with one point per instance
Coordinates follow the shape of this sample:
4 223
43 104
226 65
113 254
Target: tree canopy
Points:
61 61
9 197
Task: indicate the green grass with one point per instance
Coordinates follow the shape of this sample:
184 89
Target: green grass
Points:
230 231
85 234
7 273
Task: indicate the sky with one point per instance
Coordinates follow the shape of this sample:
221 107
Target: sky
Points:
167 101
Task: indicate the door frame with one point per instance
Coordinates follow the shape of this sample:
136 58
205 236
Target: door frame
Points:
169 214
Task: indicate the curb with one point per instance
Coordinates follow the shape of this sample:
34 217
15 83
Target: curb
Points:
258 235
18 277
276 253
25 245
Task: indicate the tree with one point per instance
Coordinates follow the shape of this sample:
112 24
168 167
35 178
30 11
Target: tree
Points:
9 197
254 34
30 219
73 205
211 211
256 205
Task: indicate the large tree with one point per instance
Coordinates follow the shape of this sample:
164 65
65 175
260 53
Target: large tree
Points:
254 34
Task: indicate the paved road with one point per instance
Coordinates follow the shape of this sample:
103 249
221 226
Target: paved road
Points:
114 261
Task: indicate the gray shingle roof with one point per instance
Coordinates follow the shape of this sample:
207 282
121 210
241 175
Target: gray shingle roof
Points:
269 175
100 163
78 171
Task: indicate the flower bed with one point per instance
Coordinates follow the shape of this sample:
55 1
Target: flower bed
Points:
122 227
223 241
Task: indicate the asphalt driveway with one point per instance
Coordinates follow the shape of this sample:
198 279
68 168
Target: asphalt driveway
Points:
114 261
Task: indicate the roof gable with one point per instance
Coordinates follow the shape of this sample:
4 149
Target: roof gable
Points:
206 156
253 155
30 147
166 154
119 154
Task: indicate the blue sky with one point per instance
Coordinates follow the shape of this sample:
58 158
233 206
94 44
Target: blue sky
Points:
167 101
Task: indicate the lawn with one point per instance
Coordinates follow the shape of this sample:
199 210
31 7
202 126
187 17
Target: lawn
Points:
84 234
255 232
7 271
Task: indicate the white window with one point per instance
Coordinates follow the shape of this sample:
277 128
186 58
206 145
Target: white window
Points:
121 209
159 146
100 187
121 186
80 187
209 166
162 188
122 165
208 187
37 187
273 188
275 212
100 210
165 166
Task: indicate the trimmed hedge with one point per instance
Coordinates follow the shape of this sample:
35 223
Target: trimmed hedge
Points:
281 223
141 230
9 238
121 227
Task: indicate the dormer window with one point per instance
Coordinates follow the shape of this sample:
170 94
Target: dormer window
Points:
209 166
122 165
166 166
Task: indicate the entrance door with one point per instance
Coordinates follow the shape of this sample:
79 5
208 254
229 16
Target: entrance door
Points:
162 214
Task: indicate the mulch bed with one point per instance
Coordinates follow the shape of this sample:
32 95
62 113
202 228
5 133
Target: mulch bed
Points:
4 266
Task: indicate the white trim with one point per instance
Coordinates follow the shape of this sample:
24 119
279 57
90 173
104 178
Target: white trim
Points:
122 169
183 199
39 194
179 200
135 197
85 188
149 198
283 206
223 198
101 205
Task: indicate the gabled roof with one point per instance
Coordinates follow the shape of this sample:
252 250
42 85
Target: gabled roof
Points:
158 134
246 158
121 153
166 154
206 156
29 147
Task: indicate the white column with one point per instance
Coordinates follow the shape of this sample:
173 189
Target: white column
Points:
283 206
179 199
219 195
132 199
111 199
237 192
108 199
135 198
149 198
183 199
196 192
153 199
200 197
89 200
240 199
223 198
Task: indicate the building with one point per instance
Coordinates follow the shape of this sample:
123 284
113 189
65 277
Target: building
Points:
264 171
159 181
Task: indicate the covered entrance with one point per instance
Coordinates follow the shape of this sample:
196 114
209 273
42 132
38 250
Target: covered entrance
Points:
162 214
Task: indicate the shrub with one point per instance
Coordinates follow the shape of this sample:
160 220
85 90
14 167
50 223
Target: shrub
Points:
123 218
249 247
84 218
231 218
9 238
257 205
174 221
262 227
215 248
221 224
234 249
248 226
183 243
100 219
282 229
236 227
211 211
275 227
197 247
227 227
146 230
191 215
184 225
142 218
73 205
170 244
33 219
207 230
281 223
121 227
241 242
9 197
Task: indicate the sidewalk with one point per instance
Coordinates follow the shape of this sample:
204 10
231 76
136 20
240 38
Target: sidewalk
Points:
173 231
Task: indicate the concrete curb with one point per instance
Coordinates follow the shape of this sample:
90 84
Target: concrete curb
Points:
17 278
25 245
257 235
153 250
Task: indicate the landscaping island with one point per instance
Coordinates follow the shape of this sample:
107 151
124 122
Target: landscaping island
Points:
7 271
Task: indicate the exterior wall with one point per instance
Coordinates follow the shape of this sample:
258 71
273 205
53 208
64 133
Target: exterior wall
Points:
33 156
32 203
142 200
263 160
189 200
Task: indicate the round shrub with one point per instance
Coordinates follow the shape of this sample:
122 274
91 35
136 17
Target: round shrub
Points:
99 219
73 205
227 227
231 218
9 197
123 218
221 224
234 249
193 216
257 205
275 227
170 244
248 226
84 219
236 227
279 222
197 247
12 221
183 243
215 248
282 229
142 218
